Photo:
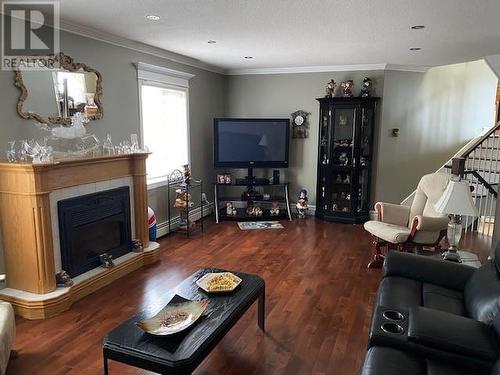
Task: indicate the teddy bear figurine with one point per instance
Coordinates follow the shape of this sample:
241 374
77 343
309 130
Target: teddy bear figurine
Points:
302 206
230 210
366 88
275 209
347 88
182 200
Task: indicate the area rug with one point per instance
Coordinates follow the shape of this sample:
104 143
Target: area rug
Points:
251 225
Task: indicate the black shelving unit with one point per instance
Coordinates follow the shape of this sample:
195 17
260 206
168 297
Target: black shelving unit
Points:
222 196
187 227
345 151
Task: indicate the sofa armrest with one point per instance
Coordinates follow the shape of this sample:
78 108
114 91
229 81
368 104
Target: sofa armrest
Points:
429 270
430 224
393 213
452 333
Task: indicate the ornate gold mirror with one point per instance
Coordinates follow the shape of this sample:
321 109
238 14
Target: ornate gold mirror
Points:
51 96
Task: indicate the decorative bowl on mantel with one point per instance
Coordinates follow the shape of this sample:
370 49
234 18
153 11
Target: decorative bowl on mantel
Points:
178 315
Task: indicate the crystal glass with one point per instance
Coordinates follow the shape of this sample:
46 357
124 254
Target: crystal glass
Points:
11 152
134 143
107 147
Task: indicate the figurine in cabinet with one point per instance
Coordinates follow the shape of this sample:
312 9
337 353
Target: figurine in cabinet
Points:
335 207
338 180
347 88
302 206
325 160
230 210
347 180
366 88
343 159
330 89
275 209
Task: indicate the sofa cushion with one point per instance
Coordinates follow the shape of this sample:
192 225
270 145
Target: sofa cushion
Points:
482 293
381 360
399 292
389 232
443 299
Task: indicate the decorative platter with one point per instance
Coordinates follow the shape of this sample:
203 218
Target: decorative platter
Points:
218 282
176 316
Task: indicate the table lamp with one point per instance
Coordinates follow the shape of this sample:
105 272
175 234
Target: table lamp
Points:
456 201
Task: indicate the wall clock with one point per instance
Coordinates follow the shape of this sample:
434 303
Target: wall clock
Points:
300 124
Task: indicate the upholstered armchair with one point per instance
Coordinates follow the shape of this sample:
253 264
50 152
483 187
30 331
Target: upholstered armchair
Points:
405 227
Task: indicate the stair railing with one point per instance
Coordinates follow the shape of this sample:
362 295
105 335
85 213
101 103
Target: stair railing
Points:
479 164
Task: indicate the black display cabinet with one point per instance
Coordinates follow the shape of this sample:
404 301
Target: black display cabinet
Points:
346 128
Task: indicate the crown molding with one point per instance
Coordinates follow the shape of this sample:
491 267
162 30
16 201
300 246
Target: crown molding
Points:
408 68
307 69
137 46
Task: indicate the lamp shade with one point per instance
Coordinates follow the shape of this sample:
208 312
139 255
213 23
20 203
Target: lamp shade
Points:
456 200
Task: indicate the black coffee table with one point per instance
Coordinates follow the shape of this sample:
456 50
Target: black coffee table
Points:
183 352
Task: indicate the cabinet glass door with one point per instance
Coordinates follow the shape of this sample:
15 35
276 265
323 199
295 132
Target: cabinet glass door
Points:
365 156
341 191
324 157
343 136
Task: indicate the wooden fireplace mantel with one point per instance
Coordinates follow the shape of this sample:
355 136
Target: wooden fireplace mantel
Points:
25 214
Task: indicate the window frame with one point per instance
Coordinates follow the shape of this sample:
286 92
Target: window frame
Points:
152 75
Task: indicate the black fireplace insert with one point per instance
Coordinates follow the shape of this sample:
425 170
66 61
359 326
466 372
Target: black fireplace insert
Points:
91 225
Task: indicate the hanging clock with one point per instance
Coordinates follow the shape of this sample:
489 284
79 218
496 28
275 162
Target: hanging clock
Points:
300 124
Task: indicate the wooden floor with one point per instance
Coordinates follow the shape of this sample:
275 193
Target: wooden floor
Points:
319 303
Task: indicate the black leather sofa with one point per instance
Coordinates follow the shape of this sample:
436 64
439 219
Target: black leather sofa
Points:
435 317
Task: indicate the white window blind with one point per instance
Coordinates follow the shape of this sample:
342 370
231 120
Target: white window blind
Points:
164 98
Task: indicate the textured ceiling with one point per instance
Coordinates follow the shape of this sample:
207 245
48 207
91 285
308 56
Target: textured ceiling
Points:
289 33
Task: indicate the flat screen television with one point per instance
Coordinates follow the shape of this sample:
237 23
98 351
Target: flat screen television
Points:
249 143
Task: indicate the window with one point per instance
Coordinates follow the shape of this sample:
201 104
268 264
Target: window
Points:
164 120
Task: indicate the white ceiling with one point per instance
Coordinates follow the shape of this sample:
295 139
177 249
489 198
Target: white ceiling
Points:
298 33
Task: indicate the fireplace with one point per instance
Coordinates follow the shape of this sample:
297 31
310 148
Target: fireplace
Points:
91 225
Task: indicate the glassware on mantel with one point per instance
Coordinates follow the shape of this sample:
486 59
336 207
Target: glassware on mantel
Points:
107 147
11 152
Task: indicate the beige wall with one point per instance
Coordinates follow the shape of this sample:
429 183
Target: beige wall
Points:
279 95
437 112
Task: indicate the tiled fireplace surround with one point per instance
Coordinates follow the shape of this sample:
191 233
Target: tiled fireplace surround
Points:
30 226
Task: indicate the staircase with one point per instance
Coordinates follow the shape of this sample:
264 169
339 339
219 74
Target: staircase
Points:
479 164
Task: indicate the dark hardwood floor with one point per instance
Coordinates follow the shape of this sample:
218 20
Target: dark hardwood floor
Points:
319 303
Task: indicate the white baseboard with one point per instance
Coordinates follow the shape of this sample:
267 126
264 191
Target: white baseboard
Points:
162 228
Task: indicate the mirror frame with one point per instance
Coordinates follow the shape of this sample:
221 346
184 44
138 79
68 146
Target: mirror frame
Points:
67 63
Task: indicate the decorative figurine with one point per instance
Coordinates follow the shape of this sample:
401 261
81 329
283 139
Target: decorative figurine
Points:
343 159
63 279
345 209
335 207
137 246
330 89
187 174
230 210
347 179
275 209
366 88
348 197
106 260
325 160
342 195
302 206
254 210
347 88
182 199
338 180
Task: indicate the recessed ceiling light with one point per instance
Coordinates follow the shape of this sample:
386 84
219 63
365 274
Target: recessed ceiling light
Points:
152 17
418 27
248 57
212 42
415 49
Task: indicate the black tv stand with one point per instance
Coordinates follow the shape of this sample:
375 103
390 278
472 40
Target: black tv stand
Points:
251 180
278 193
